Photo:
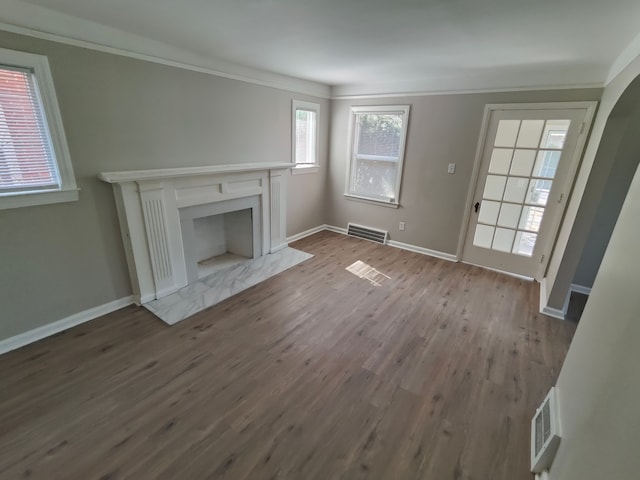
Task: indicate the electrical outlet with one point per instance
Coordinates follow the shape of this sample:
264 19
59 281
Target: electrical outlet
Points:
452 168
401 226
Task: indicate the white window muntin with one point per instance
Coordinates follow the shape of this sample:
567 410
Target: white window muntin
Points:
66 189
403 111
311 137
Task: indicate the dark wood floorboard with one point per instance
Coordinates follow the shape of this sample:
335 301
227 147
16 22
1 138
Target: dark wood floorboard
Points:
312 374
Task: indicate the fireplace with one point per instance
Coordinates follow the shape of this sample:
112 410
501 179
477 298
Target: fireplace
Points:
218 235
180 224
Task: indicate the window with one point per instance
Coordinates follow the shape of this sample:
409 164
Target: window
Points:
378 136
35 167
305 136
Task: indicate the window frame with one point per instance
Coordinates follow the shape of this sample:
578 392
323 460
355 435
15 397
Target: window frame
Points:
297 168
38 65
355 111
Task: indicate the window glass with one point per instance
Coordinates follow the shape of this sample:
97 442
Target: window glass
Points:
27 161
35 168
305 136
378 149
379 135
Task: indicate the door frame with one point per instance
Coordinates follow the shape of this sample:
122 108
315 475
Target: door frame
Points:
585 129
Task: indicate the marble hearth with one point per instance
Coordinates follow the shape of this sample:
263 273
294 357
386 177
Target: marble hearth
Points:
222 284
153 206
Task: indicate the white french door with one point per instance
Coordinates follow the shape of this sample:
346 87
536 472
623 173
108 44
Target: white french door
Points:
527 167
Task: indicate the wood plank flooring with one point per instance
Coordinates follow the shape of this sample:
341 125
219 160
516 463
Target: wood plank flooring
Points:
313 374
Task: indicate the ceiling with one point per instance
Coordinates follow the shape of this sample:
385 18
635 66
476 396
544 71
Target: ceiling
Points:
394 45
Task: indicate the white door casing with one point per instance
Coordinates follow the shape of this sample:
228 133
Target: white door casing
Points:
526 162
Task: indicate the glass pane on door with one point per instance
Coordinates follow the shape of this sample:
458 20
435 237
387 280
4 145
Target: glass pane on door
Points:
524 162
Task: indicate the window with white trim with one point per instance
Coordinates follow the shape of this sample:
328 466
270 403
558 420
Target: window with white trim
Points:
35 167
378 138
305 136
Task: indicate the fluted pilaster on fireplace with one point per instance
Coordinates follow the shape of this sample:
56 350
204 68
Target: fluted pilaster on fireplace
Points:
149 203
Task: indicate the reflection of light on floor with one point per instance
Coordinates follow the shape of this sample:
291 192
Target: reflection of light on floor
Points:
362 270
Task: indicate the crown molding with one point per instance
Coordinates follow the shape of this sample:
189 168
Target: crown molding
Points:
628 55
427 93
39 22
508 78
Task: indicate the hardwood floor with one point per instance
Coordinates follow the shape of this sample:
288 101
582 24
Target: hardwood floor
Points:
313 374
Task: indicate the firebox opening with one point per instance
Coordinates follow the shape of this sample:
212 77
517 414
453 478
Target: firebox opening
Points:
222 240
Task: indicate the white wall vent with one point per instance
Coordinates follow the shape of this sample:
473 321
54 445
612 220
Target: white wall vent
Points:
545 433
368 233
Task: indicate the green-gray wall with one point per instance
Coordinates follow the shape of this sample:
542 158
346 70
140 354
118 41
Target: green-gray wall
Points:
599 384
606 137
443 129
125 114
622 164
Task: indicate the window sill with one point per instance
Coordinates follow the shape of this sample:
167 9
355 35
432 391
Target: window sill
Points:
31 199
371 201
298 170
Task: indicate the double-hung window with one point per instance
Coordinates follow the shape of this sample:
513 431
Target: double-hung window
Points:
378 138
35 167
305 136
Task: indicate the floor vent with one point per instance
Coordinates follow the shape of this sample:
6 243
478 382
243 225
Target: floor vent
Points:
545 433
368 233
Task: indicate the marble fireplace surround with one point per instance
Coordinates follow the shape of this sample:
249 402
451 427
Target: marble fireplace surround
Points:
149 202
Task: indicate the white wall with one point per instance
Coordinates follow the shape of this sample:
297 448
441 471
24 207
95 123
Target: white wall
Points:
599 384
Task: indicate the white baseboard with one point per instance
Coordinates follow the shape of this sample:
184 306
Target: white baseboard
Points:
403 246
306 233
282 246
141 300
572 288
544 308
503 272
553 312
331 228
580 289
425 251
392 243
39 333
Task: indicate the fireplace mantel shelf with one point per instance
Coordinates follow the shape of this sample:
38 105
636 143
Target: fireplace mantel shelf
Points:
166 173
152 206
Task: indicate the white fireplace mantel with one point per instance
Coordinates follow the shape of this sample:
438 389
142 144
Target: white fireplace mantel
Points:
149 203
172 173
